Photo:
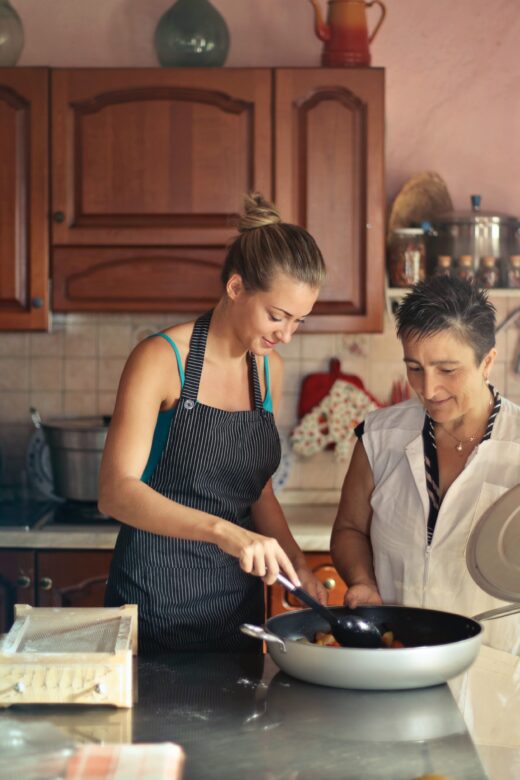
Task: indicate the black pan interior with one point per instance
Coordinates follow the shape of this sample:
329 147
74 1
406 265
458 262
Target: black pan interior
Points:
412 626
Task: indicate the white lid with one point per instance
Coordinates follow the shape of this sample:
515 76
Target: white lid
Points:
493 549
409 231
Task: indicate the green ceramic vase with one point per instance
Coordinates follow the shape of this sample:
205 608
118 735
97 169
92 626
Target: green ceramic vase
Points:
11 35
192 33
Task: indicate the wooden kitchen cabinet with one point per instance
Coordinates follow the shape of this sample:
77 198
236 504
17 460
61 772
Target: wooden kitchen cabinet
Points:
64 578
149 170
150 167
17 583
24 185
329 178
279 600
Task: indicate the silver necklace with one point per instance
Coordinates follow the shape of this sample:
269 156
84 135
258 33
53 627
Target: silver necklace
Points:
469 440
460 442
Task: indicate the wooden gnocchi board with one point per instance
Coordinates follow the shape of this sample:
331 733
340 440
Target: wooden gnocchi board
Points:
69 656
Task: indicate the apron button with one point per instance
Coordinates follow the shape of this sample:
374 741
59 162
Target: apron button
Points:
189 404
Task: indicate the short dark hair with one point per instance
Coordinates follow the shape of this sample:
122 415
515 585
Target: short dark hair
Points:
443 303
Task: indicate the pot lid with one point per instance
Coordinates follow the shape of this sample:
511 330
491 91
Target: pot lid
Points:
475 214
493 550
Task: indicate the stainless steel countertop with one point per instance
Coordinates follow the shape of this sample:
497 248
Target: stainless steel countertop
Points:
237 717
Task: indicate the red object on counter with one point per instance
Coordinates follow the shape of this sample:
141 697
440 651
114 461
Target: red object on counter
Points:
316 386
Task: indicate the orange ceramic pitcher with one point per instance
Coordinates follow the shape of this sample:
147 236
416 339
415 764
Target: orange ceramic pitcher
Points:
345 34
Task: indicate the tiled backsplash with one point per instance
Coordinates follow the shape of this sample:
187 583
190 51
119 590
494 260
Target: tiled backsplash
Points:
74 370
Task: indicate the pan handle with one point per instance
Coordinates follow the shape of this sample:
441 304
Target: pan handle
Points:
257 632
493 614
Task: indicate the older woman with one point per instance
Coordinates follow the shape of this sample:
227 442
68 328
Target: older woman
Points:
423 471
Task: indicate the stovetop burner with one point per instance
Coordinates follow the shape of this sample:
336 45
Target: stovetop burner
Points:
35 513
79 513
24 513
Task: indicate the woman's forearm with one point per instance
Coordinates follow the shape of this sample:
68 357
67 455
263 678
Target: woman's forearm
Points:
352 555
270 520
135 503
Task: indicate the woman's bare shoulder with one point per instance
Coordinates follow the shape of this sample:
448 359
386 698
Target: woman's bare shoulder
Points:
181 335
153 363
153 348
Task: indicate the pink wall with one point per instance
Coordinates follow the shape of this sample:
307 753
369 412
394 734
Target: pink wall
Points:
453 73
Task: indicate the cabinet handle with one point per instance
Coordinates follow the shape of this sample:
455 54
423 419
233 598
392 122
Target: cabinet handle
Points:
23 581
45 583
58 216
37 303
329 583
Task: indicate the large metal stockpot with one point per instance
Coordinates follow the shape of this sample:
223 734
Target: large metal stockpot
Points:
474 233
76 447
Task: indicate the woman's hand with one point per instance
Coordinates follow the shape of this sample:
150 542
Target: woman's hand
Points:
312 584
362 594
257 554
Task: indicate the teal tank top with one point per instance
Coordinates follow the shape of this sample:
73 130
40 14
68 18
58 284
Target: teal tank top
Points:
164 419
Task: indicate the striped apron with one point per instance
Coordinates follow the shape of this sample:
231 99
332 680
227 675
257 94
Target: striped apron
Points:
190 594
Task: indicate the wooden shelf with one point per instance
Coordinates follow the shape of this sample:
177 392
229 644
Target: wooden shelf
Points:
498 292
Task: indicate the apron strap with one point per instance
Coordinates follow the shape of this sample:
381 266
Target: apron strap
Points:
253 375
195 359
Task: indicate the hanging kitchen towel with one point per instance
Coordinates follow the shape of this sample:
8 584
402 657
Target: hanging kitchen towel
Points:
332 421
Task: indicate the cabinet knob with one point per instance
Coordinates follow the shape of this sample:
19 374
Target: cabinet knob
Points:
45 583
329 583
37 303
23 581
58 216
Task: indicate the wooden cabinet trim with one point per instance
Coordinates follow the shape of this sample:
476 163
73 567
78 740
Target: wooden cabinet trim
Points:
137 279
25 248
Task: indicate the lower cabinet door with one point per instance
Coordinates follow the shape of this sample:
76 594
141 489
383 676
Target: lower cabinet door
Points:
17 583
280 600
72 578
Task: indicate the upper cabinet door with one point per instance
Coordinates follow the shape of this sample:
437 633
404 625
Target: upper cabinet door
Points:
156 156
24 247
329 141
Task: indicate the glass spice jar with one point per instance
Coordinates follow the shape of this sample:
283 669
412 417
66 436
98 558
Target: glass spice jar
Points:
464 268
406 257
488 275
513 272
443 267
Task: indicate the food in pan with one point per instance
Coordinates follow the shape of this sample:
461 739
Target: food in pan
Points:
390 641
325 639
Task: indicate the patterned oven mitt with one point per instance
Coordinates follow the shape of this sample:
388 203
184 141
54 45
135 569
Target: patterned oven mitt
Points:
332 421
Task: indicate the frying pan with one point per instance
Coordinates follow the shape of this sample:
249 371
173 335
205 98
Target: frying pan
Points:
438 646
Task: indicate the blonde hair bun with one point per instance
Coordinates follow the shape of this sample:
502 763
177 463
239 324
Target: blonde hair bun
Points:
258 212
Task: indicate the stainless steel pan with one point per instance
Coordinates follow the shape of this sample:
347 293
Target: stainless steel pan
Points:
438 646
